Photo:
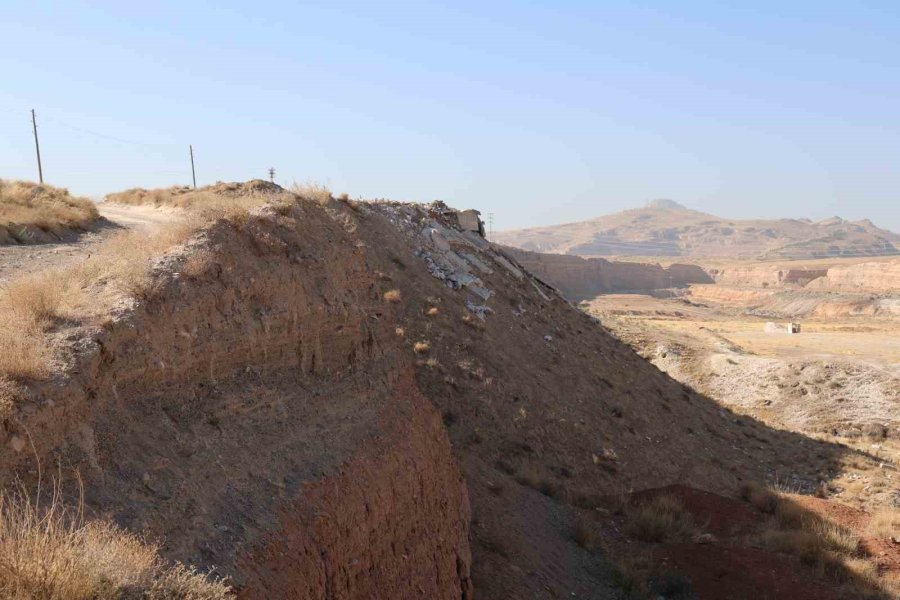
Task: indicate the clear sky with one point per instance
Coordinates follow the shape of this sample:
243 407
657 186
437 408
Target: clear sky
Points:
540 112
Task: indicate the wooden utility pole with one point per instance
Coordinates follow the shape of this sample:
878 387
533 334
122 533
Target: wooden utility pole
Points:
193 172
272 174
37 147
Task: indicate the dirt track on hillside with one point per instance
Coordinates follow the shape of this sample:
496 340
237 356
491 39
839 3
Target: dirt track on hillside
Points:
20 260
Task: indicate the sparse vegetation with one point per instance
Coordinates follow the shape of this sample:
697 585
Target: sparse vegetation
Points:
831 550
393 296
884 524
28 210
585 534
660 519
421 347
30 305
53 554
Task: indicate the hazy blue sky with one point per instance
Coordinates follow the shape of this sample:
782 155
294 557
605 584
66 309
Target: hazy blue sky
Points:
537 111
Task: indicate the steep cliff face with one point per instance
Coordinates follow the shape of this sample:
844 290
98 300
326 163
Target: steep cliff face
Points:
257 413
764 276
879 277
585 278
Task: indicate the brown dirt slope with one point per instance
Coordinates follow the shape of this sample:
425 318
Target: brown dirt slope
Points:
273 405
669 229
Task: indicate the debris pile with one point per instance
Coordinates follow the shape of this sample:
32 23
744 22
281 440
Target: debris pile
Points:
451 243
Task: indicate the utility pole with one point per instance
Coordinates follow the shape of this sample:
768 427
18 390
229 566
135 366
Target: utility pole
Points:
37 147
490 221
272 174
193 172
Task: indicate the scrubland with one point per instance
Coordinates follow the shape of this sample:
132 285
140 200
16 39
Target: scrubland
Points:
32 213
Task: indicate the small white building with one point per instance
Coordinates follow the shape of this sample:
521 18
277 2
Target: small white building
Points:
789 328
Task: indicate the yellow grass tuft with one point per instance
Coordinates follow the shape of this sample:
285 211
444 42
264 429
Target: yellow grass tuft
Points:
52 553
421 347
313 191
392 296
661 519
884 524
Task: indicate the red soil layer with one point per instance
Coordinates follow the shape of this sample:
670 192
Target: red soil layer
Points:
392 524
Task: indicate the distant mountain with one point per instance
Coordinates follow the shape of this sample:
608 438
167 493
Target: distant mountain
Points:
666 228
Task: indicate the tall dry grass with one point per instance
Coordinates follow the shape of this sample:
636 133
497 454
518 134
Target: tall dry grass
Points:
32 304
27 206
53 554
833 551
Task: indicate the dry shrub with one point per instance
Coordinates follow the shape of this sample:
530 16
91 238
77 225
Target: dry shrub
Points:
663 518
764 499
25 354
313 191
53 554
28 305
393 296
421 347
26 205
585 534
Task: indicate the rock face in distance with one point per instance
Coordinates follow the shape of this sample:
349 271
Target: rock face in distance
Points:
585 278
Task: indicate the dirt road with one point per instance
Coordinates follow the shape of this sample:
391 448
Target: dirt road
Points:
18 260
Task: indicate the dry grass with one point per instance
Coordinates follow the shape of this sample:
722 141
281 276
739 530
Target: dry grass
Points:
28 306
32 304
26 207
124 260
231 201
661 519
313 191
393 296
829 549
884 524
585 534
421 347
52 554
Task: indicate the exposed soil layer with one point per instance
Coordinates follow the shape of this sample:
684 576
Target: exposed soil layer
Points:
258 412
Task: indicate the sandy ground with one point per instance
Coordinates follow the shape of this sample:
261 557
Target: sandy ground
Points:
19 260
838 380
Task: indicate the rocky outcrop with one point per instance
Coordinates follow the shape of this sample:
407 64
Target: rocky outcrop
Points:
878 277
585 278
766 275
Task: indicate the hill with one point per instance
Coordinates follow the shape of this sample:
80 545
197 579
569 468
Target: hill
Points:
665 228
332 399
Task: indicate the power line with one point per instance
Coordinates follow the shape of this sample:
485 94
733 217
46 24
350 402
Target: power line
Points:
112 138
